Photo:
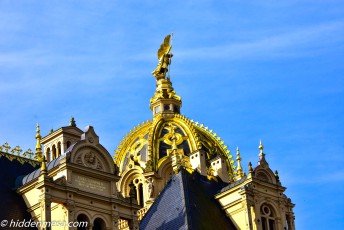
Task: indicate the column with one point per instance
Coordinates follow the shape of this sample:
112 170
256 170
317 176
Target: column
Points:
45 219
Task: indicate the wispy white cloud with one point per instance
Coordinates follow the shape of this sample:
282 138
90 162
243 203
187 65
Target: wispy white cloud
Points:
321 177
299 42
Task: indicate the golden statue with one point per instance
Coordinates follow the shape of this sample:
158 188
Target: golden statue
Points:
164 57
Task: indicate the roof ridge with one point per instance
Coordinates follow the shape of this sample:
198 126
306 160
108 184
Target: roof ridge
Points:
20 159
184 182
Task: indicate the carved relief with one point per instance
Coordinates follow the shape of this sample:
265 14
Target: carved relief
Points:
61 181
78 160
90 160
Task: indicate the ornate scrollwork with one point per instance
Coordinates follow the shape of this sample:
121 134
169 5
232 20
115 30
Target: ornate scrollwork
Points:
135 152
6 147
16 150
28 153
172 138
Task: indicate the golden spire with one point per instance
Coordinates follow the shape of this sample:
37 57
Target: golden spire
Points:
261 155
38 154
239 172
38 138
165 99
261 147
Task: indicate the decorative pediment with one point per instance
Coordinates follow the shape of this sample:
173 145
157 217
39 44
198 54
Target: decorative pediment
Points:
89 153
264 174
90 136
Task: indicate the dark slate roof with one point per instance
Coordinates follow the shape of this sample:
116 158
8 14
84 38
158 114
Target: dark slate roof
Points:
35 174
232 185
11 203
187 202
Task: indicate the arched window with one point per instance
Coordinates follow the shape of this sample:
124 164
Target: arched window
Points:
288 224
68 144
268 217
99 224
59 149
138 189
54 152
140 195
47 155
83 222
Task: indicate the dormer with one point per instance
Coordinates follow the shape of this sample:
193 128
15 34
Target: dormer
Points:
220 168
197 161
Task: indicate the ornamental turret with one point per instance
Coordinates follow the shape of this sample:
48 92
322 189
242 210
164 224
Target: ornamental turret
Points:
156 149
165 100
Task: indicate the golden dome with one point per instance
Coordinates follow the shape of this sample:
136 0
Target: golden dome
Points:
153 142
149 144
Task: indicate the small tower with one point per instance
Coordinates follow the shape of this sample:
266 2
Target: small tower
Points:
258 200
57 142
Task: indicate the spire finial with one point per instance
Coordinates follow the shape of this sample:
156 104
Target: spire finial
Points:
72 122
260 147
165 99
44 165
277 176
250 169
38 138
239 172
261 155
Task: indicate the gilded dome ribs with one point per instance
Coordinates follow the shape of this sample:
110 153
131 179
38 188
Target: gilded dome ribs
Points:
125 144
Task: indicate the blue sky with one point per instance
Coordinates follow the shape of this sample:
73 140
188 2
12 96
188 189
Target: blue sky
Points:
249 70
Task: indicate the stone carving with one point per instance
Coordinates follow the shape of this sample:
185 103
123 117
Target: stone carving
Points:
88 183
150 187
90 160
61 181
78 160
149 167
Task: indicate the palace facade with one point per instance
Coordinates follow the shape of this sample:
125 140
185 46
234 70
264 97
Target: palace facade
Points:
169 172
